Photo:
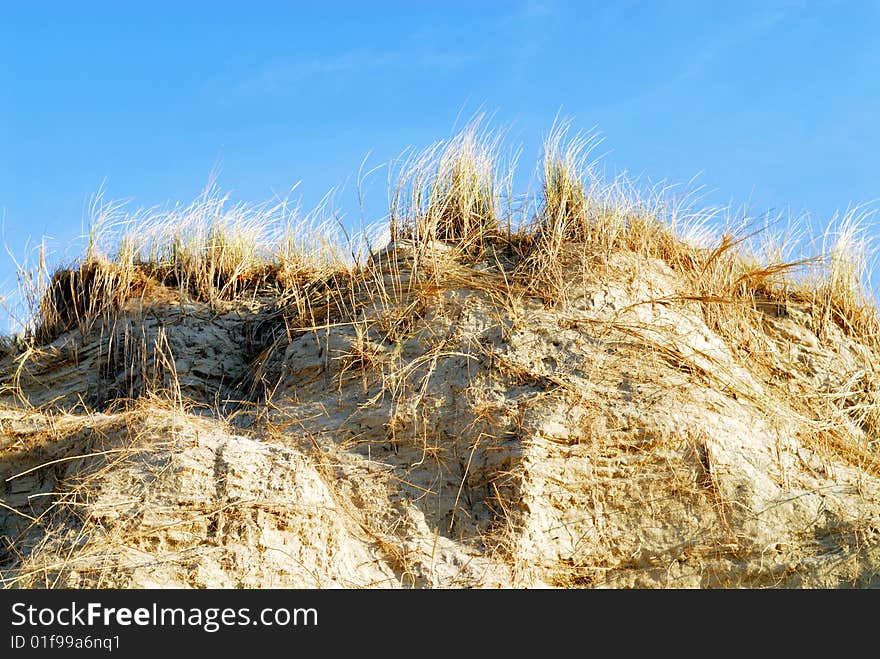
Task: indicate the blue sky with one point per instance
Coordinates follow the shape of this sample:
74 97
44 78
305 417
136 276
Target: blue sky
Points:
772 104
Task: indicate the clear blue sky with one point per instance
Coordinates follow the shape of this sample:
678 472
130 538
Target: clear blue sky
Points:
773 104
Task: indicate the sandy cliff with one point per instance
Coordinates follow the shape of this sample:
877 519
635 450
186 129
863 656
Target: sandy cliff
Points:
452 432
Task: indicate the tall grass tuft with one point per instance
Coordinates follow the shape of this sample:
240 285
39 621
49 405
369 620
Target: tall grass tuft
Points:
565 214
450 192
840 296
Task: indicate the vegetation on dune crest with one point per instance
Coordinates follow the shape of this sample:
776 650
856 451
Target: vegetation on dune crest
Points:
449 194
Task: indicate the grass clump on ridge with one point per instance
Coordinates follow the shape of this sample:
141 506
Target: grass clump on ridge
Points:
450 193
209 251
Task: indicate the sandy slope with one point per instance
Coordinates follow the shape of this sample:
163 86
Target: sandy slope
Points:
445 436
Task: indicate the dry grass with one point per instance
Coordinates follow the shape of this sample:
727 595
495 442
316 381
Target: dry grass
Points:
213 252
450 192
838 294
210 251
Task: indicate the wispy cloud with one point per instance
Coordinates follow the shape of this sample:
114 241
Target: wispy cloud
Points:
537 8
514 35
723 43
283 76
706 53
